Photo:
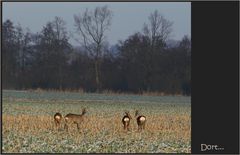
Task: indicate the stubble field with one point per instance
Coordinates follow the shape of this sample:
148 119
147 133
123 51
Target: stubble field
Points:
28 126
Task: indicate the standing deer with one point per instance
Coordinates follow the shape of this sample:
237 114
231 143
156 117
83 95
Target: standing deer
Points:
57 119
126 120
74 119
141 120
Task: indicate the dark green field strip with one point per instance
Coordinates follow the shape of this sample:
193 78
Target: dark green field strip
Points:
94 108
11 94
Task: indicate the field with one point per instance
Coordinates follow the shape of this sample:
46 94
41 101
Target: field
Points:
28 126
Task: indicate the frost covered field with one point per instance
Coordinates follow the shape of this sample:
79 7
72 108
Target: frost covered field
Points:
28 126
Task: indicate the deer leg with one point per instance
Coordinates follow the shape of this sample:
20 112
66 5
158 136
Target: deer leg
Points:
66 126
128 127
144 126
57 125
78 126
55 122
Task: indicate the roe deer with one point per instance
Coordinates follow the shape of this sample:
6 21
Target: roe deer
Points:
126 120
141 121
74 119
57 119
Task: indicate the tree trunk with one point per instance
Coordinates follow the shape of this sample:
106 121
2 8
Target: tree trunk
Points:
60 78
97 75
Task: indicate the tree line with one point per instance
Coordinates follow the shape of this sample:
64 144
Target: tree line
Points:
144 62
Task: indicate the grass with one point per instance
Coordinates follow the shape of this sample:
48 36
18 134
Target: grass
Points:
28 125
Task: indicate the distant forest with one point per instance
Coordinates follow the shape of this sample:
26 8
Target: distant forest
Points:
145 62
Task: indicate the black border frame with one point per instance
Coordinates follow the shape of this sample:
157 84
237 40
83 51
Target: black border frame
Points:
215 76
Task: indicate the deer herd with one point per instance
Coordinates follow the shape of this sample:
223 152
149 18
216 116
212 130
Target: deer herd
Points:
79 119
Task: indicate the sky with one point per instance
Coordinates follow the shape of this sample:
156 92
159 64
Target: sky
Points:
128 17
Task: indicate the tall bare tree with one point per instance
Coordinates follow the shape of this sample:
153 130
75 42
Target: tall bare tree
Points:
52 49
23 40
158 29
61 45
9 65
92 27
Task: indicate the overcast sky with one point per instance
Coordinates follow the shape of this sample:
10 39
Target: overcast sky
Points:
128 17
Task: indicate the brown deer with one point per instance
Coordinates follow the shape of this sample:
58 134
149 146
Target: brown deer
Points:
57 119
141 120
74 119
126 120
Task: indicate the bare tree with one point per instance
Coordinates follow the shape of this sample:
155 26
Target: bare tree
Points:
156 32
92 26
158 29
23 40
60 28
51 55
61 42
